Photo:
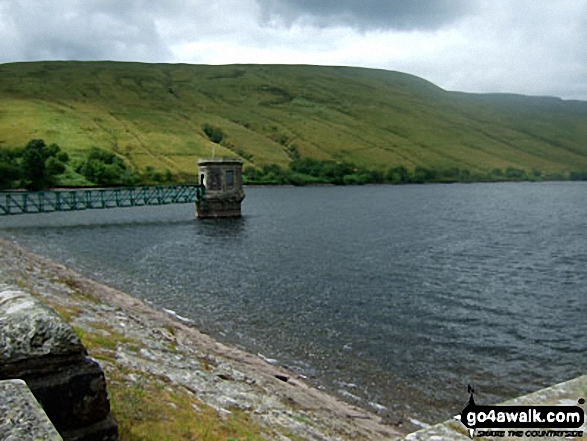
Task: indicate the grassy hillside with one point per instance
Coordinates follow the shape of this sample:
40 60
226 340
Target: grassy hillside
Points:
154 114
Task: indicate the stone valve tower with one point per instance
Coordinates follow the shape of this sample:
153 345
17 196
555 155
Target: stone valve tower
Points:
223 179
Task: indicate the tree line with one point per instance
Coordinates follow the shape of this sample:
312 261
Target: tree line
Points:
35 167
39 166
302 171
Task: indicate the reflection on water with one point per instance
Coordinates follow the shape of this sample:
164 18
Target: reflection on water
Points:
221 228
399 296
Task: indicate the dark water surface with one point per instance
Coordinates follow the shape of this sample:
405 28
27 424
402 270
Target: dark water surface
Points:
395 296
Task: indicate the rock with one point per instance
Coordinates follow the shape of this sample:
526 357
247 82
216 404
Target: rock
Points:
73 397
37 346
21 416
225 377
29 329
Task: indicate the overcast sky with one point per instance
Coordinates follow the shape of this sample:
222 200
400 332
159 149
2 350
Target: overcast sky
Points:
533 47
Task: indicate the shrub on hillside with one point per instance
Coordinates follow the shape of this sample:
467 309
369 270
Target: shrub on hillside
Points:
424 174
515 174
578 176
398 174
10 171
105 168
327 171
214 134
40 164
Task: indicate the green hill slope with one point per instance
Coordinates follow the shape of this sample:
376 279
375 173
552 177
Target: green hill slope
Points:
154 114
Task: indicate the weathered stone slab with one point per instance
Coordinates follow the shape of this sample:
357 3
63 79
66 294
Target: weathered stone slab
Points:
73 396
21 416
29 329
37 346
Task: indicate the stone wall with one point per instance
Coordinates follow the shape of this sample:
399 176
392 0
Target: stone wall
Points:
21 416
37 346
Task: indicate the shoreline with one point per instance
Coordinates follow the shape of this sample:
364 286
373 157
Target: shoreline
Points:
309 184
133 336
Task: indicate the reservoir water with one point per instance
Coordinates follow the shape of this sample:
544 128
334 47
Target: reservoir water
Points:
393 297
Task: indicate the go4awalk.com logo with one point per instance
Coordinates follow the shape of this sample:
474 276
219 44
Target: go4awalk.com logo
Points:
522 421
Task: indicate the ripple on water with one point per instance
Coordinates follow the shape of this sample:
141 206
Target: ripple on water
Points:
407 293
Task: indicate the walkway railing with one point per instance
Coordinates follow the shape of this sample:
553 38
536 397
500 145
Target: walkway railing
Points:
20 202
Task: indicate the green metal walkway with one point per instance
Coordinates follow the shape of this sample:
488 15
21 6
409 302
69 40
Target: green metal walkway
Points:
21 202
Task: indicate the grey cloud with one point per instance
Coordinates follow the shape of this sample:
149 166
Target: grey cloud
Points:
82 30
530 47
524 46
368 14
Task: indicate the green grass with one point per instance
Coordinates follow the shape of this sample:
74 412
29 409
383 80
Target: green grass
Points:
151 407
152 115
